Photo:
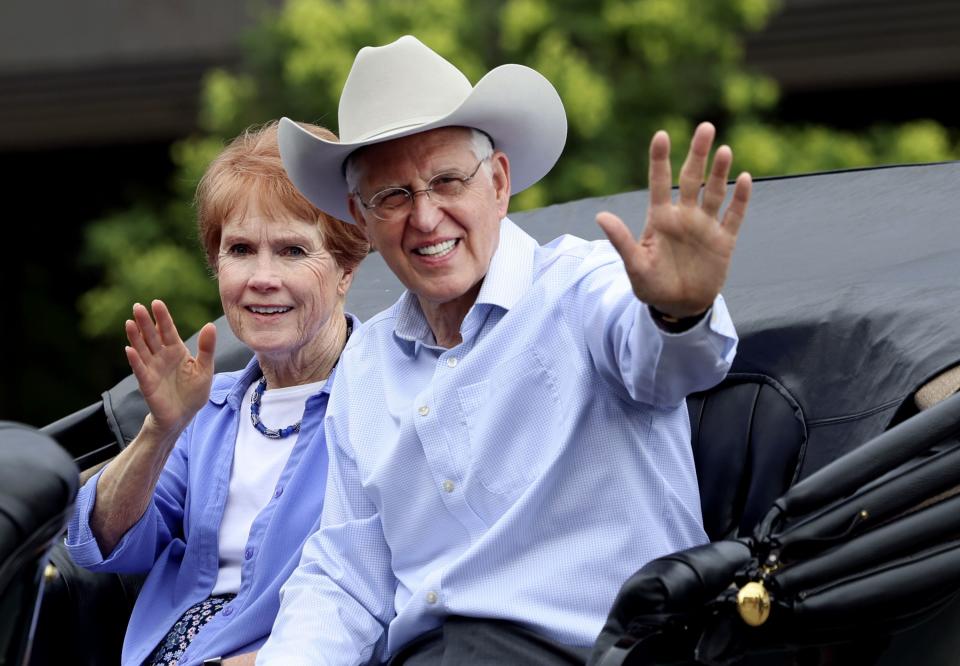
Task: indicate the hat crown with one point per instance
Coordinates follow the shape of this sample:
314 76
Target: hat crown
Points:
404 88
400 85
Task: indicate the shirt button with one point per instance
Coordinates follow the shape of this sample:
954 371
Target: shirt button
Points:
432 597
227 611
452 362
448 486
248 553
424 410
278 492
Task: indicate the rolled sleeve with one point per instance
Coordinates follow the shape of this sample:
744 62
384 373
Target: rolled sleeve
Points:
139 547
81 543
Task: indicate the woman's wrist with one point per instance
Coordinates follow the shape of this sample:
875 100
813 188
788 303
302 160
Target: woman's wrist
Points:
165 435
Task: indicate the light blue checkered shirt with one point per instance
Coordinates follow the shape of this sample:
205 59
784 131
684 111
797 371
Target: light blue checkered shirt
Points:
522 475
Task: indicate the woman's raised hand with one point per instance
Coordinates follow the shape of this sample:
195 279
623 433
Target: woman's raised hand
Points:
174 383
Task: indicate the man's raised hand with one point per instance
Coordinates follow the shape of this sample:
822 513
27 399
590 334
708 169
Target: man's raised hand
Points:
679 263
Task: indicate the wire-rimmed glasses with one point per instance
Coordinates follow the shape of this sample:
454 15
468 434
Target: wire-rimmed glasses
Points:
394 203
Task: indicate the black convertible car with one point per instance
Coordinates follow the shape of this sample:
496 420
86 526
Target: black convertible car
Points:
828 460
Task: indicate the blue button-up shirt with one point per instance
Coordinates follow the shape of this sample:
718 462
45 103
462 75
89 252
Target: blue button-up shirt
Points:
522 475
176 540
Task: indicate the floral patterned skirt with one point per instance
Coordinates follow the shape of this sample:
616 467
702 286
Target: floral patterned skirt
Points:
184 630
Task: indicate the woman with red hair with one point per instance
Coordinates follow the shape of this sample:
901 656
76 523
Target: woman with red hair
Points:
226 478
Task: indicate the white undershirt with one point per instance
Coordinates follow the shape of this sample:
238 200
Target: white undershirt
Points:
258 462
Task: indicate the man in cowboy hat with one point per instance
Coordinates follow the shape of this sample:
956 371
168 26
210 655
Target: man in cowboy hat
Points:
509 441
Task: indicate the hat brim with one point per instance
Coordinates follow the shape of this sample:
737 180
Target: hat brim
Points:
515 105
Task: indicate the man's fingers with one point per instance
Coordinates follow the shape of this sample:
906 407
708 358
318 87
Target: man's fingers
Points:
716 188
165 324
661 178
206 343
737 209
619 234
695 166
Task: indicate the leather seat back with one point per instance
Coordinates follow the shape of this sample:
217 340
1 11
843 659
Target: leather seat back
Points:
38 484
748 437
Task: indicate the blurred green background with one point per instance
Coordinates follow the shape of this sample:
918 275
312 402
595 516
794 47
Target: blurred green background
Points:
623 70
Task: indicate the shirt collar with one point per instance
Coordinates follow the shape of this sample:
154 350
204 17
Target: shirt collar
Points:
233 394
411 323
508 276
511 269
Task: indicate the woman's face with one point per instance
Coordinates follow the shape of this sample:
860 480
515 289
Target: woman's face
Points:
280 288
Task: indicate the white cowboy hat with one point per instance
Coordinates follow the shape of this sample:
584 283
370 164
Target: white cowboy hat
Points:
404 88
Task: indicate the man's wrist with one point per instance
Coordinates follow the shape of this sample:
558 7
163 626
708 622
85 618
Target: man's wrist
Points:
672 324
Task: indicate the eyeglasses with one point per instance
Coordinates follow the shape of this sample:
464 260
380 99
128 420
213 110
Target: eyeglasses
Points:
394 203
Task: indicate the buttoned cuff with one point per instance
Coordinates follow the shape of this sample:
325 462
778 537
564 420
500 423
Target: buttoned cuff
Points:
80 541
673 324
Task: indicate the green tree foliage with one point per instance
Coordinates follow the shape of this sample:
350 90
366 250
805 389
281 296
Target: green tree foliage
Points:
624 68
766 149
151 251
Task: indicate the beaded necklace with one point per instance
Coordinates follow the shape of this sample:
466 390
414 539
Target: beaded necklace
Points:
258 394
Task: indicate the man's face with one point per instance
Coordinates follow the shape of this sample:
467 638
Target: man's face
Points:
440 252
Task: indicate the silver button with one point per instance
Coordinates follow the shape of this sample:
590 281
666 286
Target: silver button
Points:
448 486
424 410
452 362
432 597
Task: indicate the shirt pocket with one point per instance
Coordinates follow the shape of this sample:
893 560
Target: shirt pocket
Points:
513 421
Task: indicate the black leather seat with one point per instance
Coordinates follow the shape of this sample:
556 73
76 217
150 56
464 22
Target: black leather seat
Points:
84 615
38 485
863 549
748 438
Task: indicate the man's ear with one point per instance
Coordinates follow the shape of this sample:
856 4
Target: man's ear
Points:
357 213
500 174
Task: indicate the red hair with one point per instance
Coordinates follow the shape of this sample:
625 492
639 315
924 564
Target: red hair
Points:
248 172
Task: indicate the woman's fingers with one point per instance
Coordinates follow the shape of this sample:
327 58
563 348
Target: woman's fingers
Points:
135 338
148 330
165 325
206 343
138 367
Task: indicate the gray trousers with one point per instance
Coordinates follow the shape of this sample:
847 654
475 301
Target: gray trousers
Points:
473 642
